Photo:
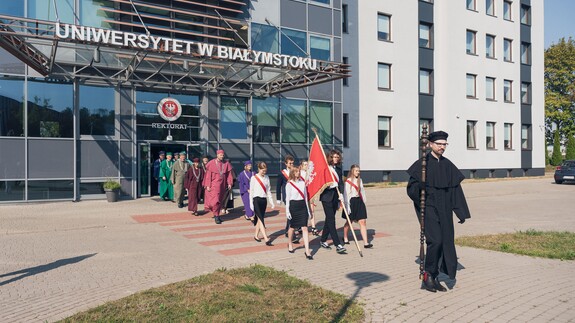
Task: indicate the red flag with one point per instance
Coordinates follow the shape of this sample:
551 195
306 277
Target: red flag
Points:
319 174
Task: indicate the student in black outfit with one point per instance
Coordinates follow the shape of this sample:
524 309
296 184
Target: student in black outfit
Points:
281 187
331 201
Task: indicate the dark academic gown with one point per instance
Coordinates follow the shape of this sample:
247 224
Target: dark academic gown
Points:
444 196
193 183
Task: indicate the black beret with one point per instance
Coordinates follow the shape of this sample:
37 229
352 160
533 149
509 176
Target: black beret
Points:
438 135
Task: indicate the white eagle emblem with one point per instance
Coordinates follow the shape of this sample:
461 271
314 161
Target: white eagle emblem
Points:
311 172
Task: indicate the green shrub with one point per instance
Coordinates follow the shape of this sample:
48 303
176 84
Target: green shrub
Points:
570 150
556 157
111 185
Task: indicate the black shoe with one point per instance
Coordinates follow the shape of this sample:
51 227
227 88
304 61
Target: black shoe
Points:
324 245
340 249
428 283
258 240
218 220
291 251
180 206
269 243
438 285
368 246
309 257
346 242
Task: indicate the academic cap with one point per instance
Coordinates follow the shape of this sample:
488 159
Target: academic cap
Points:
438 135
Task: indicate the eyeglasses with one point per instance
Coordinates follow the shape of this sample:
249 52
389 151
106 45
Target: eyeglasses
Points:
440 144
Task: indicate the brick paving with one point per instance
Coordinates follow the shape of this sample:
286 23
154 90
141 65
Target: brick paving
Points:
57 259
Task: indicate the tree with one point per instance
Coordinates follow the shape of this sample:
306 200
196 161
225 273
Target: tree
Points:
570 150
560 87
556 157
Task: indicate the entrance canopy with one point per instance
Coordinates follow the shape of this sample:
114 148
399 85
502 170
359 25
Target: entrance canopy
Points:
63 51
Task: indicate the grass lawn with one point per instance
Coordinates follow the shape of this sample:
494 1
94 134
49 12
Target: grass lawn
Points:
554 245
254 294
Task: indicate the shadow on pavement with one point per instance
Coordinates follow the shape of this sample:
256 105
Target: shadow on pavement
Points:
42 268
362 279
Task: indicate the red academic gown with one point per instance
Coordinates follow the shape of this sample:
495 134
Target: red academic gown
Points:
217 177
193 183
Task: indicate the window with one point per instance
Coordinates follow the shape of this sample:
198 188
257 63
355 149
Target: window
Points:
490 135
507 10
471 5
345 60
233 123
265 38
425 81
13 8
42 9
97 110
490 88
489 7
11 108
344 18
471 86
525 93
384 76
294 121
383 27
346 130
507 91
384 132
321 118
425 35
265 120
525 14
525 136
471 142
50 110
293 42
507 135
320 48
490 46
322 1
470 49
91 13
507 50
525 53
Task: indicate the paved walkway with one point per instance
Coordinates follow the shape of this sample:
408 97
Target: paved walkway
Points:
60 258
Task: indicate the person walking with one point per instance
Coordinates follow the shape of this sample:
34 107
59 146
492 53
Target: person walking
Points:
297 210
444 196
304 175
244 183
193 183
156 166
178 178
355 205
166 187
260 194
331 202
217 179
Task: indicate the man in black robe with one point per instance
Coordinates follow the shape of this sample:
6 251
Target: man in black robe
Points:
444 196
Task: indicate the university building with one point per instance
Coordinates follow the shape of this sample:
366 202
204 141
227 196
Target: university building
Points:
473 68
94 89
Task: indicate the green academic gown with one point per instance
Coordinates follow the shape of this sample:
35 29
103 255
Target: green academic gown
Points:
166 187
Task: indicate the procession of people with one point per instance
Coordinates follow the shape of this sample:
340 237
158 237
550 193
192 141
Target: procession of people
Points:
299 187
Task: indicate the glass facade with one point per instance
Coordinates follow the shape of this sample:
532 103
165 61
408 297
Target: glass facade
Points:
12 107
266 120
294 42
265 38
50 110
294 121
97 111
233 122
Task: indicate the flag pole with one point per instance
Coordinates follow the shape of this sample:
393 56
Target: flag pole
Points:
422 196
341 203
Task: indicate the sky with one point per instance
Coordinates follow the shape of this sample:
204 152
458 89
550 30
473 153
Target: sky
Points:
559 20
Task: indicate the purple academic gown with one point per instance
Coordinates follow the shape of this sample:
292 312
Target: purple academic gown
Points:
244 180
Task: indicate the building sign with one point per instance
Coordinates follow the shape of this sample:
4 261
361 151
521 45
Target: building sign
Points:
169 109
136 41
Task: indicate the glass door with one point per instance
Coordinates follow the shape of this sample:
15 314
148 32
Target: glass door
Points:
145 169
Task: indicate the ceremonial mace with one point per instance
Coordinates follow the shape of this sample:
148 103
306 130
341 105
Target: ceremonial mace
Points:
424 141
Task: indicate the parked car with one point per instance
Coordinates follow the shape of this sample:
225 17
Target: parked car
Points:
565 172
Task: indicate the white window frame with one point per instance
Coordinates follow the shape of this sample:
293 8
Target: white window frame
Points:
508 55
471 131
490 87
490 144
508 95
471 78
384 119
379 25
490 53
508 136
471 49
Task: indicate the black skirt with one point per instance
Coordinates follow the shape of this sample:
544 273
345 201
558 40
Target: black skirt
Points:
358 209
260 204
298 212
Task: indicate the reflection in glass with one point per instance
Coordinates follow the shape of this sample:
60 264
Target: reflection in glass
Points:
92 188
11 190
11 107
321 118
384 132
50 190
50 110
91 13
294 120
96 110
294 42
233 123
12 8
265 38
320 48
266 120
46 10
10 64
